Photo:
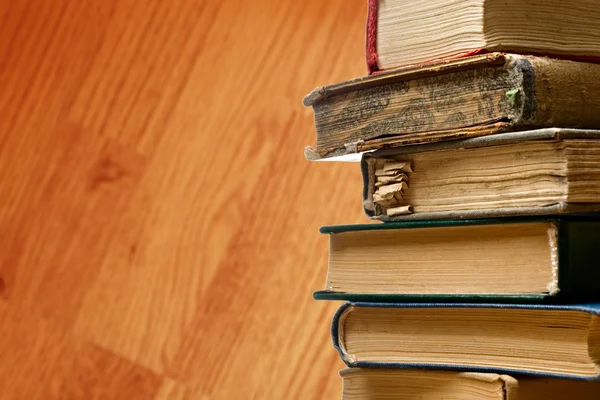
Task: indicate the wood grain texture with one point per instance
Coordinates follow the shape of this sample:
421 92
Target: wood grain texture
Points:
158 223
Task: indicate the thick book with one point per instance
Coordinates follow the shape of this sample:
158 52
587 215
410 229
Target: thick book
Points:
560 341
473 96
410 384
406 32
533 259
545 171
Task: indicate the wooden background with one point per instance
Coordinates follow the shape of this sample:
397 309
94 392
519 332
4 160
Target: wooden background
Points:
158 223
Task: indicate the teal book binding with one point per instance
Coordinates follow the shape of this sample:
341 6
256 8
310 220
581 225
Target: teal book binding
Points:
501 325
575 258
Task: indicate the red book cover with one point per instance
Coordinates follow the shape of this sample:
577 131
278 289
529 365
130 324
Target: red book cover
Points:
371 49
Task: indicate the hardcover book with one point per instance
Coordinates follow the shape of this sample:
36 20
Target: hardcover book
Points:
546 171
405 32
410 384
505 259
469 97
560 341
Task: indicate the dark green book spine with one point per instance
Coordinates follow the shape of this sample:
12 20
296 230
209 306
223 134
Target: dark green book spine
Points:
579 260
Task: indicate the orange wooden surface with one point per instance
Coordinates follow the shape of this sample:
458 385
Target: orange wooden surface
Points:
158 222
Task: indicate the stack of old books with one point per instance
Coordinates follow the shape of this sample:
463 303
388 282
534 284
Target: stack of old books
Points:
478 134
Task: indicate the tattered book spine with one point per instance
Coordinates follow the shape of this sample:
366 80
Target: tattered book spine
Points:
390 181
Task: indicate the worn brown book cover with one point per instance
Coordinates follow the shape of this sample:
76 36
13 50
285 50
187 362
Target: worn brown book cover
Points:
469 97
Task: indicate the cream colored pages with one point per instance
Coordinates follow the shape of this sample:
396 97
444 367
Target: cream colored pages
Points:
410 384
514 176
416 31
419 31
483 259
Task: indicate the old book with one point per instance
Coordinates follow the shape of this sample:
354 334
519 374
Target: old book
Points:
474 96
410 384
547 171
405 32
504 259
560 341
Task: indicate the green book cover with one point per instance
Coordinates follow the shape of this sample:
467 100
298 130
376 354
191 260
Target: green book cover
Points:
575 255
